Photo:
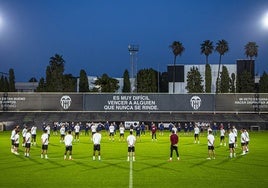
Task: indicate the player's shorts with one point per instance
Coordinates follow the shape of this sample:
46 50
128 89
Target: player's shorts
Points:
44 147
16 145
131 149
173 147
243 144
34 136
222 137
111 134
210 147
68 148
76 133
247 142
231 146
138 133
27 145
121 134
96 147
196 135
12 142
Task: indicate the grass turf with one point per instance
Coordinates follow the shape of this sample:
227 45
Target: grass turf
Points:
151 168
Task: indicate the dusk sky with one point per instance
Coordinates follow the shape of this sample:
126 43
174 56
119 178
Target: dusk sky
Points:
94 34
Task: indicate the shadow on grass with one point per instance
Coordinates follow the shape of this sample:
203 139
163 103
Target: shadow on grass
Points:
201 163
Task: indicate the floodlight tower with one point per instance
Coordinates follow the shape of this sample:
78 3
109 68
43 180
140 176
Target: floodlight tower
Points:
133 50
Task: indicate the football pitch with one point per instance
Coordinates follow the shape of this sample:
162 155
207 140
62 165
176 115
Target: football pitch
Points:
151 168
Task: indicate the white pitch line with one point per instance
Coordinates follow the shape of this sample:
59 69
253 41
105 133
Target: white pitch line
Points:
130 173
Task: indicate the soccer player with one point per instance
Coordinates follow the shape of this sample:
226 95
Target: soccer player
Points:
93 128
161 128
185 128
209 129
16 142
86 129
222 138
55 128
62 133
106 126
153 130
24 131
235 133
243 141
143 128
44 139
12 138
111 130
247 140
232 143
131 140
33 133
48 130
76 132
174 139
27 143
68 140
211 139
96 145
174 128
196 134
138 131
121 132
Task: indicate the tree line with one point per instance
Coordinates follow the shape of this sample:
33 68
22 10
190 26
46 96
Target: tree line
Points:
150 80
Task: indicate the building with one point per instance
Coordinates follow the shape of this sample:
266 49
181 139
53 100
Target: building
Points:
92 79
181 75
26 86
245 65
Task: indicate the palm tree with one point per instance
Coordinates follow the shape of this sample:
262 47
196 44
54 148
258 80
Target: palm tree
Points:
177 49
251 50
207 48
221 47
54 73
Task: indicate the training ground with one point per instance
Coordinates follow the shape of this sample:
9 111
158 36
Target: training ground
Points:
151 168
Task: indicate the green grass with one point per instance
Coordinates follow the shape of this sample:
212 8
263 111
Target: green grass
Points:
151 168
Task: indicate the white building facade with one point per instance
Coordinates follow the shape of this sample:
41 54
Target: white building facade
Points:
180 86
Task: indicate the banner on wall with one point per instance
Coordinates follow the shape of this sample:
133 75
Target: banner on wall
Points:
41 102
134 102
148 102
242 102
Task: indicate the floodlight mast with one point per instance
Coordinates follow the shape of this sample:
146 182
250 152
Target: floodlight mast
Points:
133 50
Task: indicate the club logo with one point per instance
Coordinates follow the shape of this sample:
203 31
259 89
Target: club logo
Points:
65 102
195 102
